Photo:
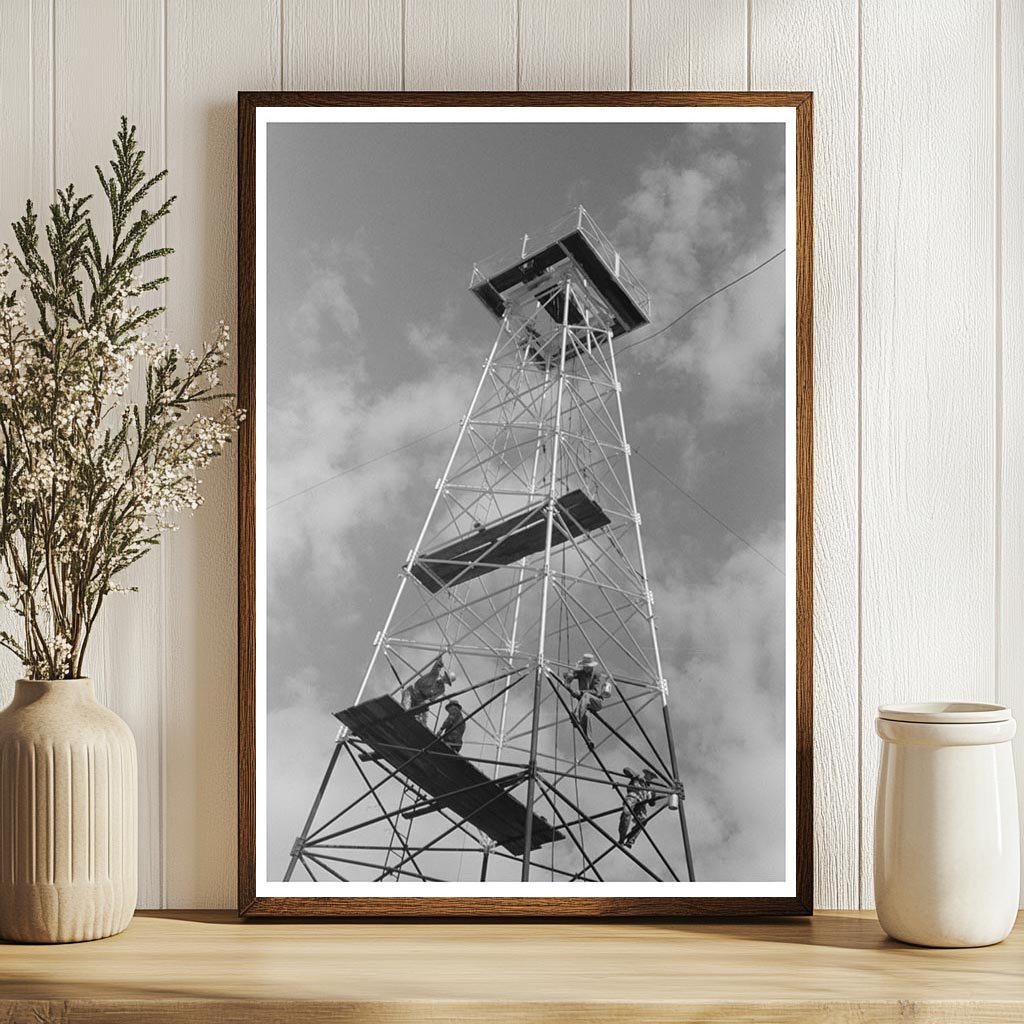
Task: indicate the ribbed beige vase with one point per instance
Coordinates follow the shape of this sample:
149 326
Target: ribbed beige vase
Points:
68 815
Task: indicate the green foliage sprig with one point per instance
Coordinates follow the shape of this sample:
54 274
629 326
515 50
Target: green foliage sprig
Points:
89 477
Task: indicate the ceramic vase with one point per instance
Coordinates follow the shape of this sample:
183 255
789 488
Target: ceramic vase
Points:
947 848
68 813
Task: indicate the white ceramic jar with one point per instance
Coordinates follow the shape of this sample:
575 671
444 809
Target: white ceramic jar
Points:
947 848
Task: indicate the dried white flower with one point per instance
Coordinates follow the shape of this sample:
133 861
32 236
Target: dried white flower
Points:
104 428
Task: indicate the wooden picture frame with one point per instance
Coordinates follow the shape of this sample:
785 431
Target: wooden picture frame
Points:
253 902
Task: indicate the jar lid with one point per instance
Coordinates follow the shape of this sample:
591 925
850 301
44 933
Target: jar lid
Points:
945 712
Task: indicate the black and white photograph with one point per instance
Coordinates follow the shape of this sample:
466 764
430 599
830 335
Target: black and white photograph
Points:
525 503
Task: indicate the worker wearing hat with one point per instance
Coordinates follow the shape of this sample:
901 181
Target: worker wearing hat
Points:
636 804
427 688
593 690
453 728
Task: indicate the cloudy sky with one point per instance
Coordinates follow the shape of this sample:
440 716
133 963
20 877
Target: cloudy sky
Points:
374 341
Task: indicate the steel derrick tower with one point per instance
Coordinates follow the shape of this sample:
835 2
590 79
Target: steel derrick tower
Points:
530 558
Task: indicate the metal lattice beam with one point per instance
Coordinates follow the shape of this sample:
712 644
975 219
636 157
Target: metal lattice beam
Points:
545 421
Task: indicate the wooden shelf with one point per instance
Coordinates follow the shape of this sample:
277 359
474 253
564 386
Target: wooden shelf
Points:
209 967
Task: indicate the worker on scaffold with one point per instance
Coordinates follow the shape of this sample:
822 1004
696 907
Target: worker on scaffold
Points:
453 728
636 805
593 690
427 688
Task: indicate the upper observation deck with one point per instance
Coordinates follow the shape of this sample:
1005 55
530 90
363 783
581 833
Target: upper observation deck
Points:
573 243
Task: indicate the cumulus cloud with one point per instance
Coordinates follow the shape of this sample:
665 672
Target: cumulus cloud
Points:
724 642
431 341
696 221
330 420
298 725
327 417
690 229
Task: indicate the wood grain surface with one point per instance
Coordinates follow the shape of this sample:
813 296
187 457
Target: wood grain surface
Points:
1009 313
928 372
209 966
468 45
342 44
827 64
228 45
701 44
574 44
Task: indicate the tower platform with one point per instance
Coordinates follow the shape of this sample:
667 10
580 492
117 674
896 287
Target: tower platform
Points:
452 781
507 540
574 242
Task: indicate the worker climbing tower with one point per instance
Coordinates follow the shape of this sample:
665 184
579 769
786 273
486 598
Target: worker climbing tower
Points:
513 721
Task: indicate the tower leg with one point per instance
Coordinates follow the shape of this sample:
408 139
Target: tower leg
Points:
682 801
531 787
301 840
650 615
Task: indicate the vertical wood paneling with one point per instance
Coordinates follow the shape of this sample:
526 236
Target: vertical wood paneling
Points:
126 665
16 117
928 371
213 50
460 44
26 168
1010 240
574 44
342 44
26 69
814 46
690 44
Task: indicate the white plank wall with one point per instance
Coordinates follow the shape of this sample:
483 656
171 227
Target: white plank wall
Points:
213 50
699 44
130 33
26 154
919 161
573 44
814 46
460 44
928 513
1009 314
342 44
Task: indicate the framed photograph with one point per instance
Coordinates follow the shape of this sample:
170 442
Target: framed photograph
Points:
525 504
